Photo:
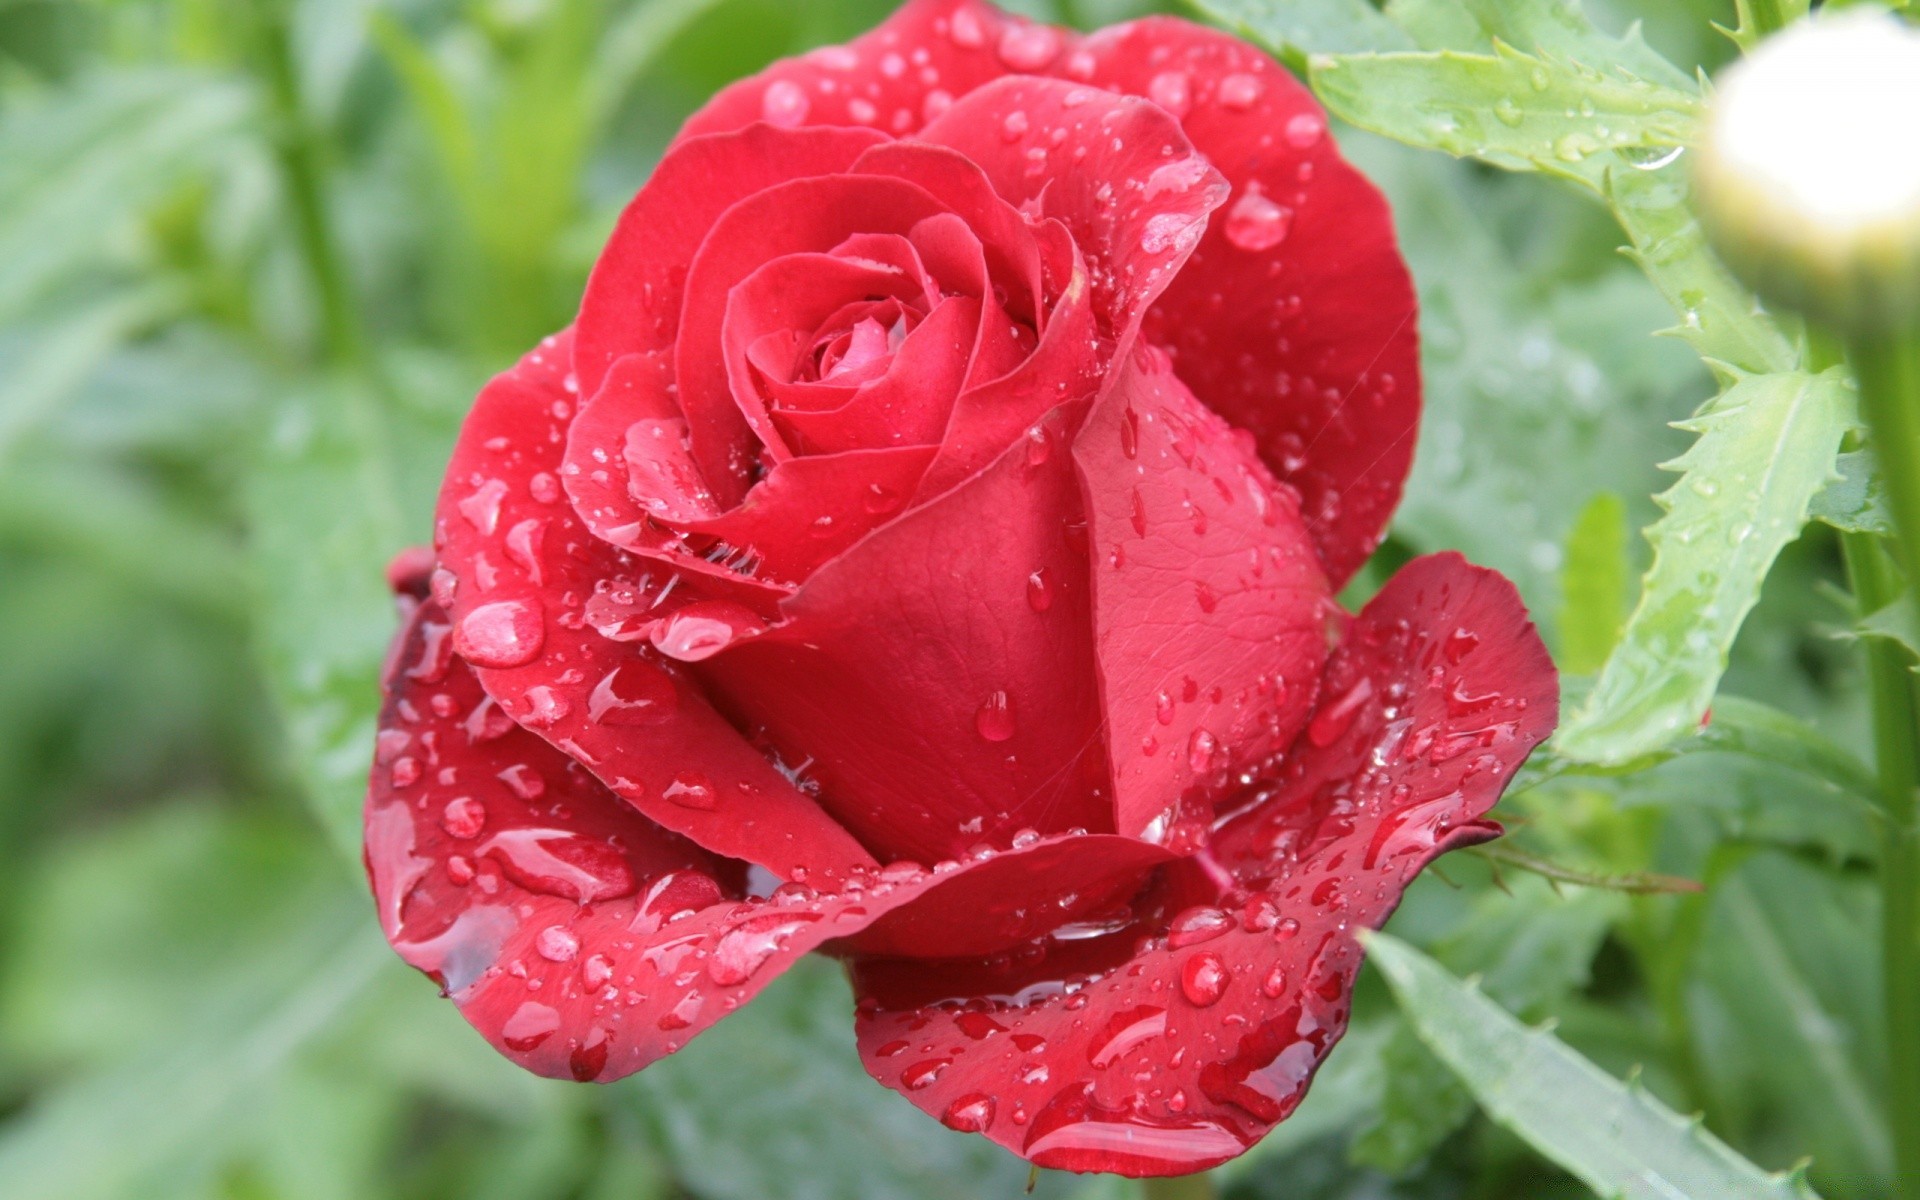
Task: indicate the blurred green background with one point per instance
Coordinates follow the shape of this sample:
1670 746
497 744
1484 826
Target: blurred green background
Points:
255 259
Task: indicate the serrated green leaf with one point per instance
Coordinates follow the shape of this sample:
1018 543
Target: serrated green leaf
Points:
1718 318
1751 730
1856 502
1513 110
1766 449
1594 585
1556 28
1294 29
1618 1140
1898 622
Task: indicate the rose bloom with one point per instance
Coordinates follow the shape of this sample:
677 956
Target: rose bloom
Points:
922 549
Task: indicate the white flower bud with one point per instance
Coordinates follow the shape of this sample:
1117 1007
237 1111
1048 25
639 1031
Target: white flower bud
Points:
1808 174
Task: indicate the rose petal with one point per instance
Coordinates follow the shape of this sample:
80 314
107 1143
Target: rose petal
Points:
795 217
1116 170
1210 608
1173 1044
582 940
1295 317
632 301
896 78
939 675
527 587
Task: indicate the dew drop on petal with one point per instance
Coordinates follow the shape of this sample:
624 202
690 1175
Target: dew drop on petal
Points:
1204 979
464 817
785 104
1240 92
556 943
994 719
1305 129
504 633
1256 222
971 1113
1040 591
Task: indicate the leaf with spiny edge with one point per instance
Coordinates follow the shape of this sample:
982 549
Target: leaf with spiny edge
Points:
1766 448
1615 1137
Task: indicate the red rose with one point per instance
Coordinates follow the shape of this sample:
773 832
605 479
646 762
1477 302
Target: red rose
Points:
922 548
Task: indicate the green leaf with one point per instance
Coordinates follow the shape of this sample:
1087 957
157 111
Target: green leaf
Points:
772 1104
1752 730
1856 501
340 484
66 351
1616 1138
1783 1000
1294 29
1594 583
1517 111
1766 448
1554 28
1898 622
82 163
1719 318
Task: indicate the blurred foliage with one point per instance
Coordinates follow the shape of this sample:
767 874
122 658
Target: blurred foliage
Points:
255 258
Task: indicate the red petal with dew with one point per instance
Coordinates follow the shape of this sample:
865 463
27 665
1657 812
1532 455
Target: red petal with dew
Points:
1177 1035
1295 317
530 592
1210 609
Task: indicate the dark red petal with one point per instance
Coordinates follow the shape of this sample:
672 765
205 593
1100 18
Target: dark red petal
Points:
1210 608
526 586
796 217
1174 1045
1294 318
1116 170
939 676
579 938
632 301
901 75
911 403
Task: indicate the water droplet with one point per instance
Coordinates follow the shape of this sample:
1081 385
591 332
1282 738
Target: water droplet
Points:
1304 130
1257 223
1204 979
1040 590
742 951
555 862
785 104
978 1025
482 508
1171 90
965 30
633 694
994 720
691 790
1125 1031
1027 47
1202 923
464 817
597 971
971 1113
1240 92
1014 126
530 1024
1202 751
545 488
504 633
556 943
1507 111
1652 158
589 1058
1275 984
921 1074
1333 721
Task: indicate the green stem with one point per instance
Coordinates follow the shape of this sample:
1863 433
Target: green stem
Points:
1888 370
1178 1187
302 166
